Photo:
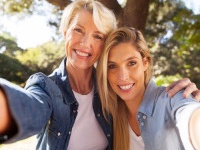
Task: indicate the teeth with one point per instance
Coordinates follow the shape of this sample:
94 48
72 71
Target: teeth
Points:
126 87
82 54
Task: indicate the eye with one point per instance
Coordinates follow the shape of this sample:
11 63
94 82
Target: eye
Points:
99 37
111 66
131 63
78 30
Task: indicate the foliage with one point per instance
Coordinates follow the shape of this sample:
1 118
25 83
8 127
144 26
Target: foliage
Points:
8 44
176 53
171 30
13 70
187 49
17 64
13 6
166 80
43 58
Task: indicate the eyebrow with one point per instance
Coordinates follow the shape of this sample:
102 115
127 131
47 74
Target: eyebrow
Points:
98 32
130 58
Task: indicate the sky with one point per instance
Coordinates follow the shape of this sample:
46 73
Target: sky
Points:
194 5
34 30
31 31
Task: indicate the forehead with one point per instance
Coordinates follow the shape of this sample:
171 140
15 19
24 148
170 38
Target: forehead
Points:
123 51
84 18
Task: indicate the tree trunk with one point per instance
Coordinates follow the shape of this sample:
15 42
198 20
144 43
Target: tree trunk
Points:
134 14
59 3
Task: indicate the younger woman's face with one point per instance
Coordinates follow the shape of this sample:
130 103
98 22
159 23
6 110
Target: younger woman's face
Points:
126 71
83 41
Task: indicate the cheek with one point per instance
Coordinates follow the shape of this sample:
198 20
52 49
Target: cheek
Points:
111 79
69 40
109 76
98 48
66 48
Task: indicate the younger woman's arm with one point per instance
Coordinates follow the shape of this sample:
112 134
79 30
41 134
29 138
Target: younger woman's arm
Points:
194 129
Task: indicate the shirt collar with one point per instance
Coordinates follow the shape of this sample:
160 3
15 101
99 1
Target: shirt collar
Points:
149 99
64 84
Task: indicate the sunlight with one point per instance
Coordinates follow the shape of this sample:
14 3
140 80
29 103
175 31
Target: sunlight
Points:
194 5
31 31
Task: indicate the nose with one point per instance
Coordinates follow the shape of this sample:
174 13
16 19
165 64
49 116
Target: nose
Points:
123 74
86 40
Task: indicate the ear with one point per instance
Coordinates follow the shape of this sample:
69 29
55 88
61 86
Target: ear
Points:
145 63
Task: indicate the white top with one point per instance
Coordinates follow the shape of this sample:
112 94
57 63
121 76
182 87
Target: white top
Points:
86 132
136 142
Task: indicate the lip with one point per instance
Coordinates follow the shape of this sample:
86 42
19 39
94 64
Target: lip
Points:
126 87
82 54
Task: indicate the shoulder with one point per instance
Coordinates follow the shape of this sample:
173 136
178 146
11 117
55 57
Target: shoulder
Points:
38 79
44 82
178 98
180 104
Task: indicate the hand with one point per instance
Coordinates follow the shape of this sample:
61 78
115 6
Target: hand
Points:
188 86
8 126
4 113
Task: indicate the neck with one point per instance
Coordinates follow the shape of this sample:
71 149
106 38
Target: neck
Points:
133 107
132 117
80 80
134 104
132 112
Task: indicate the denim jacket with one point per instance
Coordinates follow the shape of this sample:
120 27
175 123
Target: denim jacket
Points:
48 106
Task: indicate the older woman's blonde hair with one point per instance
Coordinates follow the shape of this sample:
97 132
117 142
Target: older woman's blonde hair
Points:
111 103
104 18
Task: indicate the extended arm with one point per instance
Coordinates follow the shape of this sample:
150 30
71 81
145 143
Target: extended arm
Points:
19 106
7 124
4 115
185 83
194 129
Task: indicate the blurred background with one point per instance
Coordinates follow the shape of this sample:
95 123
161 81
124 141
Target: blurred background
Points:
30 40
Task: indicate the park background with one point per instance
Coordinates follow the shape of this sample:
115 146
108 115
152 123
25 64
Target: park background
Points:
30 40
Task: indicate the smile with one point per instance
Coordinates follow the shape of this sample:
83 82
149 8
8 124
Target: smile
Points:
126 87
82 53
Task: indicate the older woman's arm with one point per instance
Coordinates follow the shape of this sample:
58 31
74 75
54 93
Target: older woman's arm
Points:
188 86
194 129
7 125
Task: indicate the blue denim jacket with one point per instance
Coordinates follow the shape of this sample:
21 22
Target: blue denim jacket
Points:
47 106
164 121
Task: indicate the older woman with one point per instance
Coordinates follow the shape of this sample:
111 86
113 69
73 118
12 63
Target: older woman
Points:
64 108
144 116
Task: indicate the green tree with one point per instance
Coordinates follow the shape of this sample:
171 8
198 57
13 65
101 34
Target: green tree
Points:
176 54
13 70
8 45
138 13
170 29
44 58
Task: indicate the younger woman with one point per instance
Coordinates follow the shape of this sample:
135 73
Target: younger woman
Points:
144 116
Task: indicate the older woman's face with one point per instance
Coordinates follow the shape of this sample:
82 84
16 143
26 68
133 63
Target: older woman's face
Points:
83 41
126 69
